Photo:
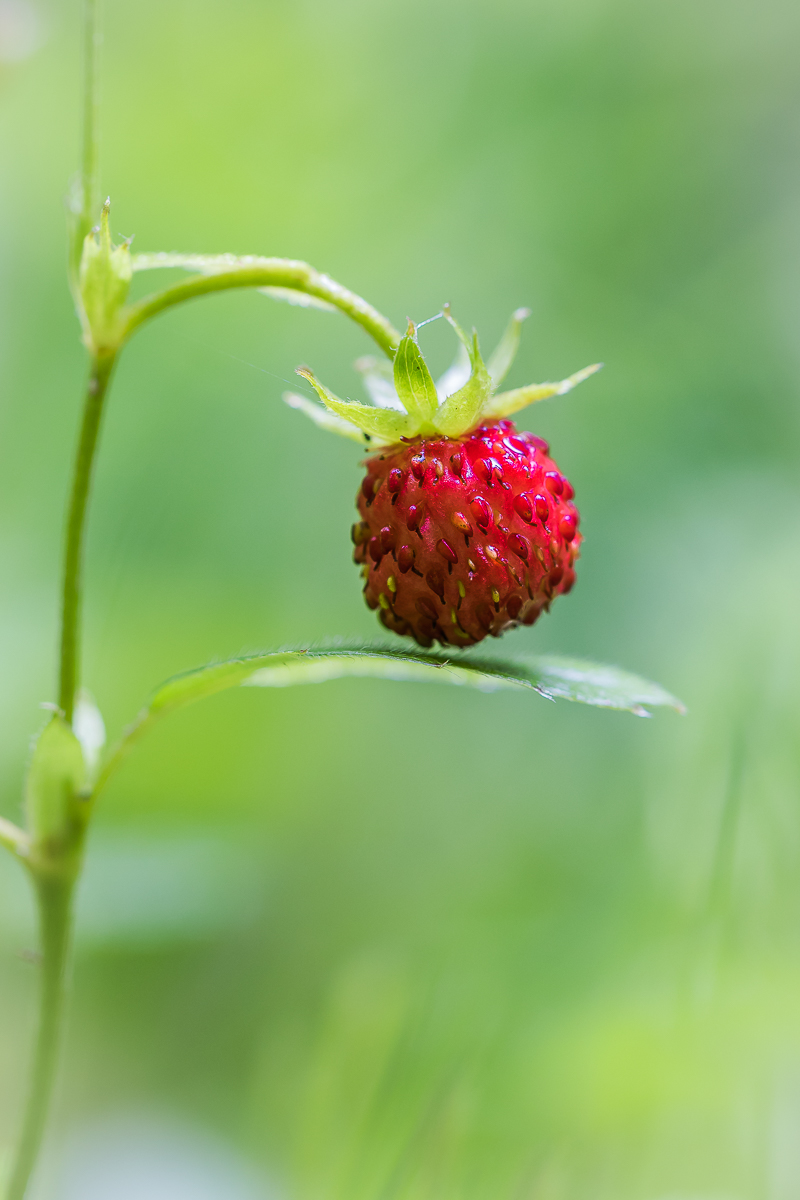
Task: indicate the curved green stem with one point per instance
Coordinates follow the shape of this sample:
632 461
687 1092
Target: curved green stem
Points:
76 521
54 897
269 272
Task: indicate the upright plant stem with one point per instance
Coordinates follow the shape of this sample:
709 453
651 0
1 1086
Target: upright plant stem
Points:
76 521
54 868
89 153
54 896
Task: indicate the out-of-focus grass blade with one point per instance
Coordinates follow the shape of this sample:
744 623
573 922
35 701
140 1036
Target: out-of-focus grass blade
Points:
553 678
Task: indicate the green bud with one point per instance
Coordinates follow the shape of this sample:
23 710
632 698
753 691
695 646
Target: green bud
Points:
56 775
105 278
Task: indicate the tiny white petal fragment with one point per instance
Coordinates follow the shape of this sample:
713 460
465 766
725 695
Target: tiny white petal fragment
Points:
89 728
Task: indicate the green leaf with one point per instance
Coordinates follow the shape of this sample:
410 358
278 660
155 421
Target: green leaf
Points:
382 423
600 685
461 411
553 678
500 361
412 379
504 404
56 775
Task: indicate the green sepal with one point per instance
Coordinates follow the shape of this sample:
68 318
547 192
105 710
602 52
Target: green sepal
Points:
104 281
56 776
501 359
463 410
504 404
328 420
412 380
377 422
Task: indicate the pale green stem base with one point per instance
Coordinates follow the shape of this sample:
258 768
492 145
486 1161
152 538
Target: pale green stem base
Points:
54 898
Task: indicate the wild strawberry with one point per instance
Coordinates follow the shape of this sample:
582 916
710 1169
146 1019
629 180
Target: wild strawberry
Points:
461 537
467 526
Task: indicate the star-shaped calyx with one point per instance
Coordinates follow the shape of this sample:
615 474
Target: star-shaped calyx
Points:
407 404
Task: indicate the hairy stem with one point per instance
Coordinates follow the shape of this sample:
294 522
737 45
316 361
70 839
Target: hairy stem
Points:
54 896
270 272
76 522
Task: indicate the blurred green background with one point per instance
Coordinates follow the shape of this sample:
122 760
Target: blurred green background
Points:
381 942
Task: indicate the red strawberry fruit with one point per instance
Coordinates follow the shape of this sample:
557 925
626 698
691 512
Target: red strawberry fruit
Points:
467 526
461 537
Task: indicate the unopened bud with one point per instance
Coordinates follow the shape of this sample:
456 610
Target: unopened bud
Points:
105 278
